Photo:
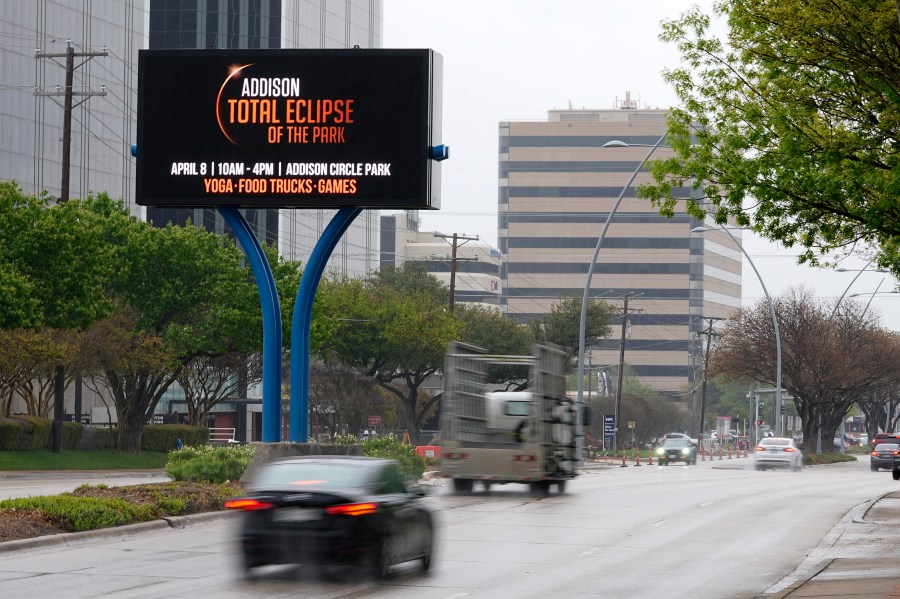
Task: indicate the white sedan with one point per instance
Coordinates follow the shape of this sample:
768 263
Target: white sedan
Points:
775 452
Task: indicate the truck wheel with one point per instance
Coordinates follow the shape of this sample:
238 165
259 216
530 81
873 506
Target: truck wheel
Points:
561 487
462 485
540 489
895 474
487 486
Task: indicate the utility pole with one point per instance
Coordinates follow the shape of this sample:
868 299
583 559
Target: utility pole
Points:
68 93
625 314
454 244
70 54
709 336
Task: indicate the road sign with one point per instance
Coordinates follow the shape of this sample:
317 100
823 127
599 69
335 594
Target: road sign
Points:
374 421
609 430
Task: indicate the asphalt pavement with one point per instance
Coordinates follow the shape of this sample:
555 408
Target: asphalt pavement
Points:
858 559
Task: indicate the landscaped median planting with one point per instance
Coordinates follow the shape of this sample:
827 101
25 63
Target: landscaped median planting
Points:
90 507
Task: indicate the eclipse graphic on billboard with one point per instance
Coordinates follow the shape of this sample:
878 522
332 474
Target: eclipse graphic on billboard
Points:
288 128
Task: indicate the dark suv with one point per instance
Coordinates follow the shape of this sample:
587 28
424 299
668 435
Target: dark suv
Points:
895 467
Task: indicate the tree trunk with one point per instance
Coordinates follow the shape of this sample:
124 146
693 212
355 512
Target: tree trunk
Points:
130 436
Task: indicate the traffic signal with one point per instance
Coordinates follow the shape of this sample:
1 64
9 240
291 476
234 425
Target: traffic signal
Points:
758 422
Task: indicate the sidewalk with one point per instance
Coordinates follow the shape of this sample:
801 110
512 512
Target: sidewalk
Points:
859 558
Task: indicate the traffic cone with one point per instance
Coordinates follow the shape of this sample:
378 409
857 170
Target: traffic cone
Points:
729 452
650 457
637 461
720 451
702 451
624 465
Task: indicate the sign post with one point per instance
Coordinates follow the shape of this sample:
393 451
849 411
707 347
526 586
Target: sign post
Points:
349 129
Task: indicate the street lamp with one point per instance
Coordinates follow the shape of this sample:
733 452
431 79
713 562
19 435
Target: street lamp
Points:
778 426
579 432
858 272
872 296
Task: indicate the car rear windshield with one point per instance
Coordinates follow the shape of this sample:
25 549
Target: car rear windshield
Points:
886 447
314 474
775 441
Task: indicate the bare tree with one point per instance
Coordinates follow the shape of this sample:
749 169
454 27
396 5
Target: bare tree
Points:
880 408
208 381
27 362
828 361
339 395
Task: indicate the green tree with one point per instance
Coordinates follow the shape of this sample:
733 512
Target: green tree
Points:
499 335
798 114
186 295
394 327
562 324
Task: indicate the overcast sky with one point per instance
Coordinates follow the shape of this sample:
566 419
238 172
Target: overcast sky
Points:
517 59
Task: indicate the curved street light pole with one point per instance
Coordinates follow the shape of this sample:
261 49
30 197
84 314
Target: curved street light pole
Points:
778 420
579 422
840 299
779 429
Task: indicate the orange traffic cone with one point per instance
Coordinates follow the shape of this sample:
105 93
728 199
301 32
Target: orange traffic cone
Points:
650 457
624 465
637 461
729 452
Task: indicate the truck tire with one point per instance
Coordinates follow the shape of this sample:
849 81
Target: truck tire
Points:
487 486
561 487
462 485
540 489
895 474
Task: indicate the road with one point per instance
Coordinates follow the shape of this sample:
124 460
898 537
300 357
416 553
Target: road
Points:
717 530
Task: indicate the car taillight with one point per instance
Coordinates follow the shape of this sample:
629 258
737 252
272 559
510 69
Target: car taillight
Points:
250 505
351 509
875 453
760 448
457 456
789 449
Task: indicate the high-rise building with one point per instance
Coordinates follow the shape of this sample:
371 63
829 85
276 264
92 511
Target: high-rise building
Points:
104 126
557 186
34 33
177 24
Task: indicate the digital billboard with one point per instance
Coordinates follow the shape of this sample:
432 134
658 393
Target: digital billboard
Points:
289 128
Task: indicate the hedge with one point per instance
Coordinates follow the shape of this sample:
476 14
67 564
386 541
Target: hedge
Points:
27 433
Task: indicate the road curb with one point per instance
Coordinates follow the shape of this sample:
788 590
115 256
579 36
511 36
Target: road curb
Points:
71 538
785 592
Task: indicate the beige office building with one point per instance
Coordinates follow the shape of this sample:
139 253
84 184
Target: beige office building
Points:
557 186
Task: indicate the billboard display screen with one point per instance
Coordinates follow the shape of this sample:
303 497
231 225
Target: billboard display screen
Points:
289 128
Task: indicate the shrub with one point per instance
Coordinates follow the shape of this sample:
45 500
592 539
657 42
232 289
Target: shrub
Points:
84 513
387 446
73 432
346 440
9 434
161 437
38 432
209 464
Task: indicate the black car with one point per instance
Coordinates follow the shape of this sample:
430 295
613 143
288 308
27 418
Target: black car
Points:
883 456
333 510
676 450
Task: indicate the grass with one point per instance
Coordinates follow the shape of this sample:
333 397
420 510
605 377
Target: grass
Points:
76 459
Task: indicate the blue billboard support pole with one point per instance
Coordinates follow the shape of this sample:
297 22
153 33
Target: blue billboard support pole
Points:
302 320
271 313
